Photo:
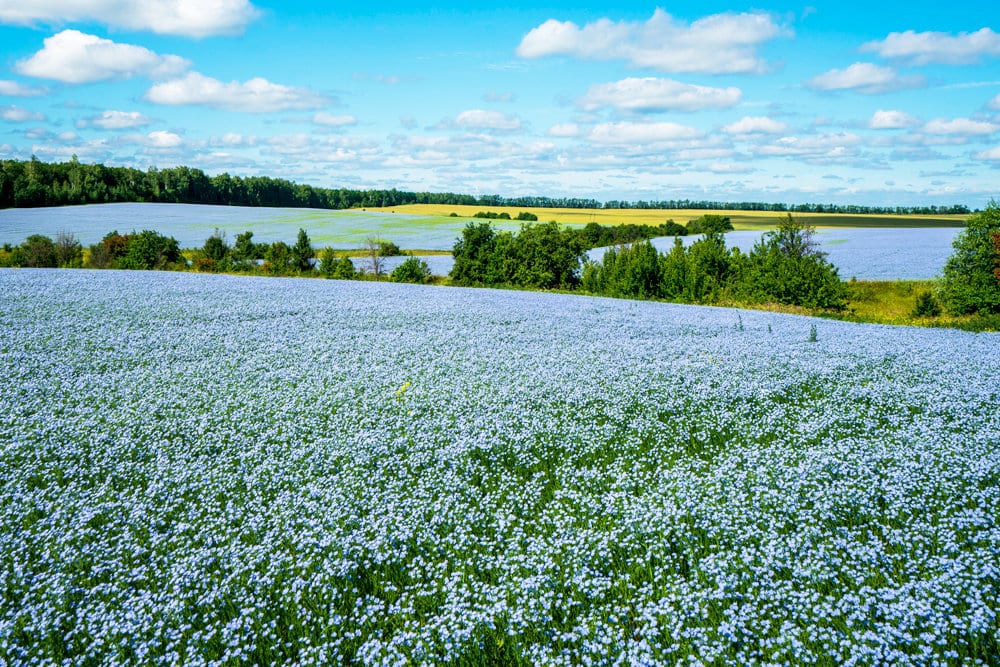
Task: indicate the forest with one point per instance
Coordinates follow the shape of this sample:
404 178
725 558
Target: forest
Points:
33 183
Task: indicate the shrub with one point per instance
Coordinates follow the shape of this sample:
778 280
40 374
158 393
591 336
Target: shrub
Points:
926 305
787 267
388 249
412 270
710 223
37 251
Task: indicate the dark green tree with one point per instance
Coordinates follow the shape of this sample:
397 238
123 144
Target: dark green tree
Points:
215 247
969 283
302 253
473 253
278 258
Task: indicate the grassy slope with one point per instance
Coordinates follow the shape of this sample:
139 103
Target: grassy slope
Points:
740 219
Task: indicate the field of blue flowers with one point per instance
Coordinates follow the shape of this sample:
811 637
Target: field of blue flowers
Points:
209 470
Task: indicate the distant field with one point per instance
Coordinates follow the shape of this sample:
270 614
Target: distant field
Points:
741 219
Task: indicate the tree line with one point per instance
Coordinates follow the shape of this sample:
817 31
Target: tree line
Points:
786 266
33 183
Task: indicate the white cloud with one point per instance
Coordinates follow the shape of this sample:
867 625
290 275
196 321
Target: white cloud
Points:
17 114
923 48
833 145
864 78
755 125
995 103
233 139
75 57
641 133
163 139
960 126
255 96
331 120
15 89
115 120
652 94
721 43
192 18
565 130
478 119
992 154
892 120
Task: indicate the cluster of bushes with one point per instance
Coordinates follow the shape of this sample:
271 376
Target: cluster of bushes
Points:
540 256
143 250
38 251
278 258
593 235
784 267
524 216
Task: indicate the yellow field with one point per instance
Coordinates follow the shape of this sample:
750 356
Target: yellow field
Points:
740 219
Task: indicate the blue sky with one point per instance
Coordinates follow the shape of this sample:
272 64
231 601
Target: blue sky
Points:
876 103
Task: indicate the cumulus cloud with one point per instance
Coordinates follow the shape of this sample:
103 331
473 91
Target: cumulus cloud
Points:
924 48
72 56
864 78
255 96
652 94
17 114
478 119
15 89
115 120
163 140
332 120
191 18
991 154
995 103
960 126
641 133
892 120
755 125
720 43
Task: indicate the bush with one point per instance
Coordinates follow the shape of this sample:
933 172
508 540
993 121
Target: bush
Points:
412 270
629 271
37 251
331 266
969 283
710 224
926 305
150 250
787 267
388 249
